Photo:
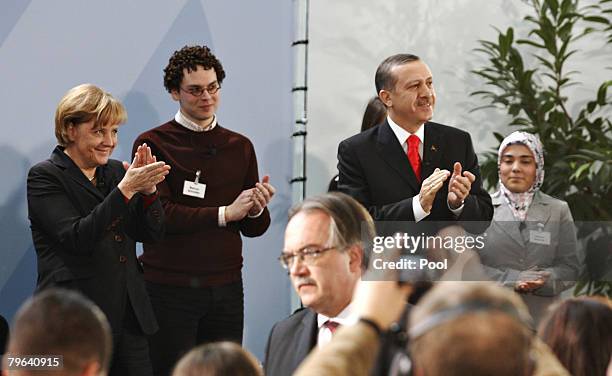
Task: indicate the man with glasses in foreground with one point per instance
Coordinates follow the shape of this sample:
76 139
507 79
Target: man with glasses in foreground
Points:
212 196
325 256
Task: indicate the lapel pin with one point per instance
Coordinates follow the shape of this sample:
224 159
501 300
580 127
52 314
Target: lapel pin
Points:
433 148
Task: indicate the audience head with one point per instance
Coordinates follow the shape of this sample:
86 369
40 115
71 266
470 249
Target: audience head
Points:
83 104
218 359
475 329
579 332
404 84
324 250
374 114
63 322
520 163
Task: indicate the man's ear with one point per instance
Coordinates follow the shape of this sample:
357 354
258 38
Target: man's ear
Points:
175 94
355 253
92 369
384 97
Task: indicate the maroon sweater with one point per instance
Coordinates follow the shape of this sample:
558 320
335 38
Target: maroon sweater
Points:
197 252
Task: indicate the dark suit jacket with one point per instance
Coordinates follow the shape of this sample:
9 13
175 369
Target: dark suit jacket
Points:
4 334
85 236
290 342
375 170
292 339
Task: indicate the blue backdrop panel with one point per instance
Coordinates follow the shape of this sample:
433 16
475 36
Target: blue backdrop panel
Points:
47 47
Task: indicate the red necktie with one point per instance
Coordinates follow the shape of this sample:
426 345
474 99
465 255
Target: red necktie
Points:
331 325
413 155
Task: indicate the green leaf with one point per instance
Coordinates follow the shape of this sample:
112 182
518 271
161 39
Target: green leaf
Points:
498 136
601 93
578 173
482 107
553 5
597 19
593 154
527 41
545 62
565 31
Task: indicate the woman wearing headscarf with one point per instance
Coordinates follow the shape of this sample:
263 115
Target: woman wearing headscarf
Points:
87 211
531 244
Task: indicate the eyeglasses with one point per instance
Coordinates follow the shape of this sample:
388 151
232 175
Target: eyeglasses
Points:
197 91
308 256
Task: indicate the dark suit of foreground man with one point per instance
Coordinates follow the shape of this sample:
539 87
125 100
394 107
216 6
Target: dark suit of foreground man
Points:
324 266
396 176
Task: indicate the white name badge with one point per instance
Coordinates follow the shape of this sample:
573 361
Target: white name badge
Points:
539 237
194 189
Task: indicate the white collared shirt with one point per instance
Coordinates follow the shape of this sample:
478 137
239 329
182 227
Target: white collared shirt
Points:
346 317
402 137
185 122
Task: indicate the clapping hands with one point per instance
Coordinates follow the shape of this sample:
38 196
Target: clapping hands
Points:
143 174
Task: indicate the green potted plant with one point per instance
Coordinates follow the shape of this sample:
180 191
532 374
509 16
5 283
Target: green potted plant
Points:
578 145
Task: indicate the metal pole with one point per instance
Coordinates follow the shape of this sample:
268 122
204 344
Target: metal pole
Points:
300 100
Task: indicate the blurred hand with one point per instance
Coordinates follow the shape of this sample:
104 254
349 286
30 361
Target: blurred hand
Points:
381 301
530 280
240 207
459 186
430 187
379 296
262 194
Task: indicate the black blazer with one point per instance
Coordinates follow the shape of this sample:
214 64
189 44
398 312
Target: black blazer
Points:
4 334
289 342
292 339
375 170
85 236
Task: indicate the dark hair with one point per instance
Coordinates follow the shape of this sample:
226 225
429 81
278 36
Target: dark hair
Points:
350 223
384 79
190 57
579 332
374 114
218 359
62 322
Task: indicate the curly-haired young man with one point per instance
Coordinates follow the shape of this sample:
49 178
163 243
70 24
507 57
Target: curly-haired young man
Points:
211 197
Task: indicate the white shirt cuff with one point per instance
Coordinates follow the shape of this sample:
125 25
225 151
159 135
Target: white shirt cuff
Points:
221 217
418 211
457 212
257 215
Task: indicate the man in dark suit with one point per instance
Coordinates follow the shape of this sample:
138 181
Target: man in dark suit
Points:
408 168
324 254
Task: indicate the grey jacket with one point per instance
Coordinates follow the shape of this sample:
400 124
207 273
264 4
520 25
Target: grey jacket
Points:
546 241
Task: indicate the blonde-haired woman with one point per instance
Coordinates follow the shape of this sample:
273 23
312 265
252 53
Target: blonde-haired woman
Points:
87 211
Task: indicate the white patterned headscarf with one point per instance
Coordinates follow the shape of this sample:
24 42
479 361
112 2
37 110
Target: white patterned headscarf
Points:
520 202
